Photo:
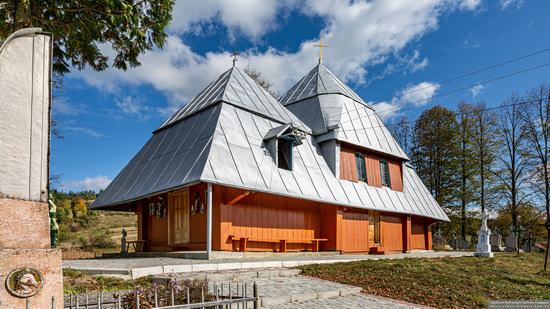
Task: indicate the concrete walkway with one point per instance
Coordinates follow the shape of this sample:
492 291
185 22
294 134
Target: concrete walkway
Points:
139 267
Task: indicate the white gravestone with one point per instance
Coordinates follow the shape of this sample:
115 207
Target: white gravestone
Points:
483 248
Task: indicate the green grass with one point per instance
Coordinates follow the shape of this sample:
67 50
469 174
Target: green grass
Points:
77 282
465 282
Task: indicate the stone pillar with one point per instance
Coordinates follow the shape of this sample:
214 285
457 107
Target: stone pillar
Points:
29 269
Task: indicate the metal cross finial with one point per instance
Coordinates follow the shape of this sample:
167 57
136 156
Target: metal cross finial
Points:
235 56
320 45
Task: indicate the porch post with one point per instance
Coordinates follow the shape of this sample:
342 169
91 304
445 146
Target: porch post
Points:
209 220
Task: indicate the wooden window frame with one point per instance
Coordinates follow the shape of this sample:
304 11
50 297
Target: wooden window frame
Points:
385 177
361 170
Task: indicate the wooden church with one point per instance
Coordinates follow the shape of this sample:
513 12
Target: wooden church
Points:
237 170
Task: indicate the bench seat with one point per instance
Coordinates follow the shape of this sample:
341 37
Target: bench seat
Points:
243 242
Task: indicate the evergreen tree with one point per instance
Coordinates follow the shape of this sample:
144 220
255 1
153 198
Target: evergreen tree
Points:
434 154
466 160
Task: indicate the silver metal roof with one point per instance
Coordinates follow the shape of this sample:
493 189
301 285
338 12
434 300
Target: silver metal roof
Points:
239 89
318 81
224 144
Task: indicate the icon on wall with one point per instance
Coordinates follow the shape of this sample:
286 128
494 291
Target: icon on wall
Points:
24 282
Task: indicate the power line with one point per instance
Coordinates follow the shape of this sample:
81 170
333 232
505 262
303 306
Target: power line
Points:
457 114
475 72
445 93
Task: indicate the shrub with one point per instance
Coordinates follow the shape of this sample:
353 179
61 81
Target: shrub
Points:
197 288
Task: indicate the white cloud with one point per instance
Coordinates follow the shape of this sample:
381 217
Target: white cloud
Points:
469 4
252 18
506 4
79 131
88 183
360 33
61 107
476 90
135 107
416 95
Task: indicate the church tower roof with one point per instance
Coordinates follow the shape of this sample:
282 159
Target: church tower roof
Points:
240 90
320 80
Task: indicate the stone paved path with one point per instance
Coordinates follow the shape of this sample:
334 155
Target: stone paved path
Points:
351 301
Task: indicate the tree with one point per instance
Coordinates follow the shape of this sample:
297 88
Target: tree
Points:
513 164
486 146
466 159
434 153
130 27
403 133
536 118
260 80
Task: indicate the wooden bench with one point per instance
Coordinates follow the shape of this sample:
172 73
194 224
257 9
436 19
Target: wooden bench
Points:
137 244
243 242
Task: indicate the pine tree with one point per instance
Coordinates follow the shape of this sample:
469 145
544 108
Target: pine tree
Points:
434 154
466 160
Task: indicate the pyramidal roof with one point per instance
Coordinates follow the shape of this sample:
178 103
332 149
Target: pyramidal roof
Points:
240 90
333 111
318 81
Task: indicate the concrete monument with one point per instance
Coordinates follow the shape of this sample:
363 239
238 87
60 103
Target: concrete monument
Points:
30 271
483 248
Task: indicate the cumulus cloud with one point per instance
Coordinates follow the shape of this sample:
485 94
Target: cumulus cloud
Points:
88 183
360 33
415 95
476 90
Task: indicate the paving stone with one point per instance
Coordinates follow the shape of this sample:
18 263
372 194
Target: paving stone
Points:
269 273
226 266
146 271
205 267
177 269
289 272
351 302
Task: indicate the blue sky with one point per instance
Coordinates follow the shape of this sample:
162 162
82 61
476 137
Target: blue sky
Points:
381 48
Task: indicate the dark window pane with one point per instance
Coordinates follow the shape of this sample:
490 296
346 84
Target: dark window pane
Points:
385 173
284 155
361 167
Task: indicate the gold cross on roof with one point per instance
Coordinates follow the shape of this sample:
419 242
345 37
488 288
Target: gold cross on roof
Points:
235 55
320 45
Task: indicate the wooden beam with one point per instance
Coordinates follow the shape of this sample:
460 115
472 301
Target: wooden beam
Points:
407 231
238 198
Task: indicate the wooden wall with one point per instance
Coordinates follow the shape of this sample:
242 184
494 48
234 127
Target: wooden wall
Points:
266 216
348 168
354 232
391 232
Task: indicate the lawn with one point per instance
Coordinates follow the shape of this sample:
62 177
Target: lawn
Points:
464 282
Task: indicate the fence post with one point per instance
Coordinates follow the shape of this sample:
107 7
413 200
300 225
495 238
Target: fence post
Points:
137 299
53 302
87 299
27 303
188 298
255 294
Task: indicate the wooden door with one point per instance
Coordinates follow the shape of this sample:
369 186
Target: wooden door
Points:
178 209
355 231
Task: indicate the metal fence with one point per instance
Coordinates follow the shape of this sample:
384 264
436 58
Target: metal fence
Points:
219 296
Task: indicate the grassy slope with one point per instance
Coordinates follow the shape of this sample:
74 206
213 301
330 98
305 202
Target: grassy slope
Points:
465 282
75 282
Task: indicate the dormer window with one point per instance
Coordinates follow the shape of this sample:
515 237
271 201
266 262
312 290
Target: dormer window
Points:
385 173
361 166
284 154
280 142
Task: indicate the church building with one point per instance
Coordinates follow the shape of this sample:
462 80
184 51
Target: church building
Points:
235 169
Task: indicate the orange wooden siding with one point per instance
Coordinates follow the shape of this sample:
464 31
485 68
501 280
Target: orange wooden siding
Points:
354 232
418 236
266 216
391 232
348 167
